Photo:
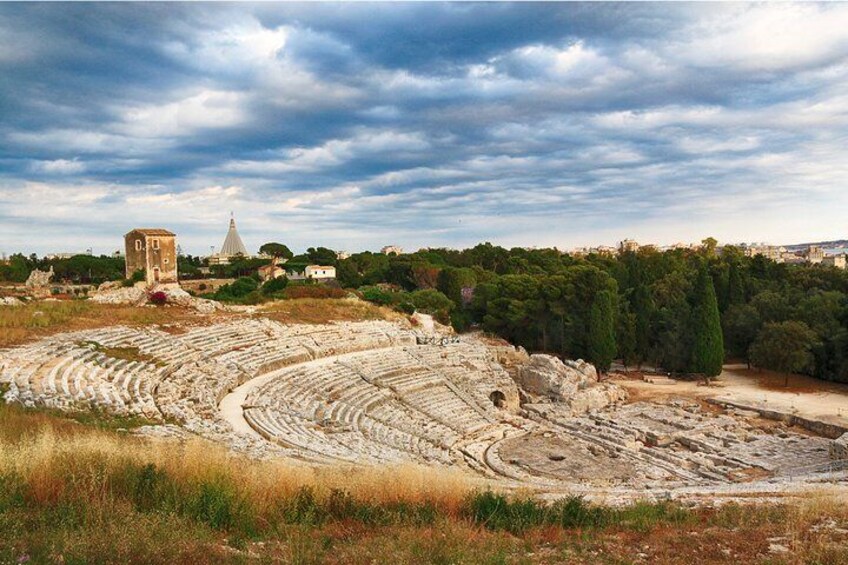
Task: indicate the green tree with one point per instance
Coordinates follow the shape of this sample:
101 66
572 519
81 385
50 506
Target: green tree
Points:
276 250
431 301
785 347
322 256
602 331
451 281
275 286
741 324
626 336
643 311
735 285
708 342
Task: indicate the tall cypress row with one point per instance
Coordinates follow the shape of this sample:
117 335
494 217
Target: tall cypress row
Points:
643 308
602 345
708 342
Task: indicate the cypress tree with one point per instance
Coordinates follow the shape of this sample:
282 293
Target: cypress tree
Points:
643 310
735 285
602 346
708 342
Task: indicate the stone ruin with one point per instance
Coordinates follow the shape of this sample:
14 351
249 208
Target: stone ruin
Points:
369 393
39 279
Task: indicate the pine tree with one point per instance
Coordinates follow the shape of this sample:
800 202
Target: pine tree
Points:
708 342
602 346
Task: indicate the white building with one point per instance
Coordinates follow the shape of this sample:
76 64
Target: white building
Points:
319 272
389 249
314 272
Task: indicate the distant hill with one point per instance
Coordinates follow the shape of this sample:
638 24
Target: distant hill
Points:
826 244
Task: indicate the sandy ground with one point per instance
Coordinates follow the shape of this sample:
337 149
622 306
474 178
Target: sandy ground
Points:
804 396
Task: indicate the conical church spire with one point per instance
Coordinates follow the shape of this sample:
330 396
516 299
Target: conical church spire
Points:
233 245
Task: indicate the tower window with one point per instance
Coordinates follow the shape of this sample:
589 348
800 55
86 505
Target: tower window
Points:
138 245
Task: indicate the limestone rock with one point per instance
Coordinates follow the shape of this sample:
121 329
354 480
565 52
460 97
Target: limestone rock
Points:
839 447
10 301
109 285
131 295
37 279
596 397
548 377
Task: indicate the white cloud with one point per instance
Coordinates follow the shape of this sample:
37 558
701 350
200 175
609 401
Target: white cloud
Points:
58 166
207 109
767 37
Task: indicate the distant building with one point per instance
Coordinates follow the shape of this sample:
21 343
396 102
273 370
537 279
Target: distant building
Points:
153 251
55 256
389 249
837 261
814 254
628 245
342 255
319 272
117 254
314 272
233 247
272 271
771 252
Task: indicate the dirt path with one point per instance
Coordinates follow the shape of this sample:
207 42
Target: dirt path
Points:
805 396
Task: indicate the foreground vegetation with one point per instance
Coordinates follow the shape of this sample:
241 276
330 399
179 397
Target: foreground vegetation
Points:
33 320
70 493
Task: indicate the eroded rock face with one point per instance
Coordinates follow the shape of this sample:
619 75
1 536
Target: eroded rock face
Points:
839 447
573 385
131 295
38 279
548 377
596 397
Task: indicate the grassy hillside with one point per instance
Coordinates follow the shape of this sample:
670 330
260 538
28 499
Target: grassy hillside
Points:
33 320
73 493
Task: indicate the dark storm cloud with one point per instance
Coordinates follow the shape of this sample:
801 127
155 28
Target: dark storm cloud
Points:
355 125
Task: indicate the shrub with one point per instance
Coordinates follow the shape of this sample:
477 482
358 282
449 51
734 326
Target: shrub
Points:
158 298
239 290
431 301
201 287
376 295
274 286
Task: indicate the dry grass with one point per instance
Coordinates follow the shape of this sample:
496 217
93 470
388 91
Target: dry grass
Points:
72 494
324 310
38 319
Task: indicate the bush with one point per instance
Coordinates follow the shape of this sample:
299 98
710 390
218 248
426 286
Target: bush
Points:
376 295
241 290
201 287
433 302
158 298
274 286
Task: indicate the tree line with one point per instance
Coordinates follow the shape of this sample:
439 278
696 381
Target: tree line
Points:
682 310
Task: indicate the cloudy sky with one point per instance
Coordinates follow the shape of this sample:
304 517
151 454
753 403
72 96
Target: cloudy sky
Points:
354 126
